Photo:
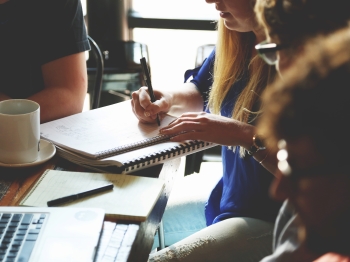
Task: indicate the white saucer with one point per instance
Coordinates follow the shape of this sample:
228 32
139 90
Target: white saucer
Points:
47 151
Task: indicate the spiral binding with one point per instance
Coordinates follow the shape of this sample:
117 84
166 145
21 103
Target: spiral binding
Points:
182 149
132 146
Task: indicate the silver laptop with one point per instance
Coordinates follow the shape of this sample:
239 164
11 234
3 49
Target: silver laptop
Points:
49 234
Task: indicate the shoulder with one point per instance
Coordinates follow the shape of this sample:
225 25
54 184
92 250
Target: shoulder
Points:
211 56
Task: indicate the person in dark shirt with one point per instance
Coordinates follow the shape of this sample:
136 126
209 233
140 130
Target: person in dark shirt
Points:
305 118
289 25
42 55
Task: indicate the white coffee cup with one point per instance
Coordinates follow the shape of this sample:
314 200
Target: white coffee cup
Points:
19 131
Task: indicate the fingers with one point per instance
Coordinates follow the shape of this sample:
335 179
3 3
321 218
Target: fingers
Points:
141 119
185 136
144 97
185 119
140 101
144 109
181 130
190 126
194 114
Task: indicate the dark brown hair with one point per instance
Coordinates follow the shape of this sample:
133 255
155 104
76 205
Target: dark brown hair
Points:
312 98
291 22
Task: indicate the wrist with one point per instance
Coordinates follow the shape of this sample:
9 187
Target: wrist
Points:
256 145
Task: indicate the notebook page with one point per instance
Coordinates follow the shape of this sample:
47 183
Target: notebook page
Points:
101 129
132 197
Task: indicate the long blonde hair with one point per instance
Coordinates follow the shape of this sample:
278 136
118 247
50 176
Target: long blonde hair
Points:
232 59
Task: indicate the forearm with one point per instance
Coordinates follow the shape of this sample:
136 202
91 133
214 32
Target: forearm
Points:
58 102
185 99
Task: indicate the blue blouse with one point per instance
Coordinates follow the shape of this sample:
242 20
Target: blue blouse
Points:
243 189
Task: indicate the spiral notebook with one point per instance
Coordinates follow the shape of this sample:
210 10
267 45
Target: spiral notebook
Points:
111 139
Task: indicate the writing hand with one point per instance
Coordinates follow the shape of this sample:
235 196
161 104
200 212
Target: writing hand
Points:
144 109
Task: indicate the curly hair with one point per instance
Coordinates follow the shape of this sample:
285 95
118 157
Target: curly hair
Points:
292 22
312 99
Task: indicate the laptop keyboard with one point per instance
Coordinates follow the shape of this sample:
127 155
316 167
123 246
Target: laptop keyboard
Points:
19 232
18 235
116 242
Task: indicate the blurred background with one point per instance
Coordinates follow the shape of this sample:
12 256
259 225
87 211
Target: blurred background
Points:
172 31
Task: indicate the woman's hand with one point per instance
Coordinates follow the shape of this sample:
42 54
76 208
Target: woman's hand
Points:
145 110
209 127
175 101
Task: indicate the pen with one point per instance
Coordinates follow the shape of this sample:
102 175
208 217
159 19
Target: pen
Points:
148 82
80 195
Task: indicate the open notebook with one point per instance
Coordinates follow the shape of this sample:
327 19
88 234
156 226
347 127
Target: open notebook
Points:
111 139
50 234
132 197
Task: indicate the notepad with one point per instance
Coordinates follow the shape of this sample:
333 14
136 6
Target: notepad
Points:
132 197
111 139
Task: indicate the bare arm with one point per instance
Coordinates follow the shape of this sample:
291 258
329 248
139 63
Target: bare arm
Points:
65 81
220 130
187 103
186 99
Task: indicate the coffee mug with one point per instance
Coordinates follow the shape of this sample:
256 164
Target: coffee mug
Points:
19 131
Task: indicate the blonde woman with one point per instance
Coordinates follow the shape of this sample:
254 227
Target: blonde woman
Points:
239 213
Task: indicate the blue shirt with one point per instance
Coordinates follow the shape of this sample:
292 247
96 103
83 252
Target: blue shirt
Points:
243 189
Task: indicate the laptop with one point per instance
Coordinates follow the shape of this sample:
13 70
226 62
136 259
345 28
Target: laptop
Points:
52 234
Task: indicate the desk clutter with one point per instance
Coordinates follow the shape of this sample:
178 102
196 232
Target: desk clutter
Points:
132 197
124 241
111 139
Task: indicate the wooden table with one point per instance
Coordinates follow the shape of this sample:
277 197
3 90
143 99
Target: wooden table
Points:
15 182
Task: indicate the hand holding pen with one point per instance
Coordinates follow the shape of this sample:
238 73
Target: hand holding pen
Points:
148 83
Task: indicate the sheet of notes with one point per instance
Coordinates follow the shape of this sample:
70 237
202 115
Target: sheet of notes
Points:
131 195
95 130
